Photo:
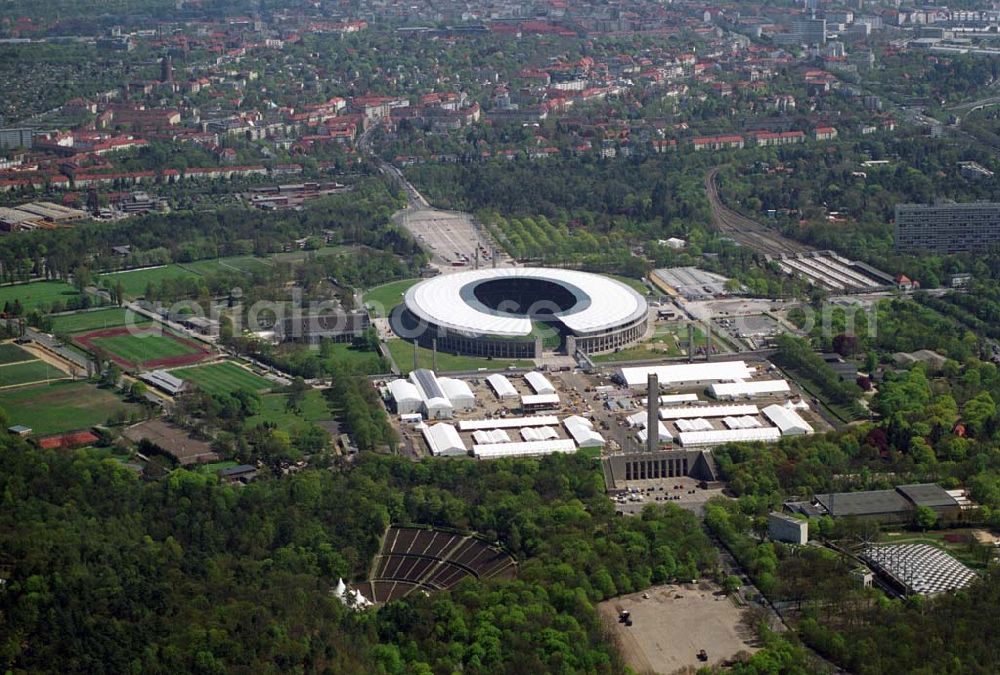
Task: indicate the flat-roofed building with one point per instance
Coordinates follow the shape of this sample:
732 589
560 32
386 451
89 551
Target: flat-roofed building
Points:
782 527
947 228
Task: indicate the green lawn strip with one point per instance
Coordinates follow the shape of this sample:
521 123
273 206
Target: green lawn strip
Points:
11 353
83 322
60 407
143 347
37 294
387 296
134 282
274 410
357 359
28 372
402 354
225 377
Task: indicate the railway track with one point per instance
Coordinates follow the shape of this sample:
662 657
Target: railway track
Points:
745 231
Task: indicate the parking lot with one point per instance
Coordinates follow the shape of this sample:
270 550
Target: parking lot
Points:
451 237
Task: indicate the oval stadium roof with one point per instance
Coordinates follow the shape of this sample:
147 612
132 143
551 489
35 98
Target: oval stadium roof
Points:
601 303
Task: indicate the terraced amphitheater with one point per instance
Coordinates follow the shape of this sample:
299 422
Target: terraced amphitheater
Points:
414 558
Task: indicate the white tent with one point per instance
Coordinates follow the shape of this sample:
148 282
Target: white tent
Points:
350 597
458 392
745 422
443 440
539 383
528 449
697 424
788 421
716 371
731 390
538 434
501 386
485 437
639 420
668 399
720 436
682 412
405 397
435 402
508 422
583 433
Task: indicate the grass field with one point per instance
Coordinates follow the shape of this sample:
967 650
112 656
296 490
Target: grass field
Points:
82 322
314 409
670 340
134 282
60 406
37 294
142 347
636 284
402 354
387 296
219 378
11 353
28 372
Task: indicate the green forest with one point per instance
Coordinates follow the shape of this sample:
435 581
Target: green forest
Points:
107 573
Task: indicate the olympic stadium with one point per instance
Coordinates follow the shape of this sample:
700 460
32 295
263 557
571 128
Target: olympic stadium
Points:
519 312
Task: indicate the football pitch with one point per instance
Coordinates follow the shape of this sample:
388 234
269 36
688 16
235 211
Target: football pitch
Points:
60 407
146 348
221 378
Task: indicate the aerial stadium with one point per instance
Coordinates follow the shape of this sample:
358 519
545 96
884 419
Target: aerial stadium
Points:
519 312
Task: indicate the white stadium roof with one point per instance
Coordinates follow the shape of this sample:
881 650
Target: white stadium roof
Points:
447 301
788 421
716 371
509 422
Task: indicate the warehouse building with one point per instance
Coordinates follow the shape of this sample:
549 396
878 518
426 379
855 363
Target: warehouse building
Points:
896 506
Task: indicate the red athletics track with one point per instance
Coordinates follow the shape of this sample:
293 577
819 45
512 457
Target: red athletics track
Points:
86 341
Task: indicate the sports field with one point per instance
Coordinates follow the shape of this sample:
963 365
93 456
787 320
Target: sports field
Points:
96 320
61 406
37 294
27 372
220 378
147 348
11 353
387 296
